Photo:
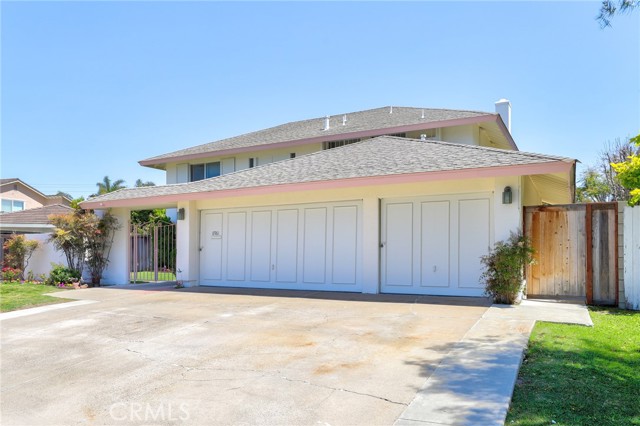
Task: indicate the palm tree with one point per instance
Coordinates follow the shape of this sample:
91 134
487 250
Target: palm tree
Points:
107 186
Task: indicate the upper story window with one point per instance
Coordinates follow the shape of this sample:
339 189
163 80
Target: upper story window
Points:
9 206
204 171
253 162
335 144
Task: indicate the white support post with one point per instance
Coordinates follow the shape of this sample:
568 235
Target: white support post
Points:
187 245
117 271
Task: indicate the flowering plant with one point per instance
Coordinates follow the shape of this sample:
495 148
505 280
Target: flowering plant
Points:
10 274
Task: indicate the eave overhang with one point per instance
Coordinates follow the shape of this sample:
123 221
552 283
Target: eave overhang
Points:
471 173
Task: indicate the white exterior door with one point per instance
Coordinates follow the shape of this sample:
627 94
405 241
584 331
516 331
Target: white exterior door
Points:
308 246
432 245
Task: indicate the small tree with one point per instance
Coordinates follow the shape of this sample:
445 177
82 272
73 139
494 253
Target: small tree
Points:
99 239
629 174
68 237
18 252
504 267
81 235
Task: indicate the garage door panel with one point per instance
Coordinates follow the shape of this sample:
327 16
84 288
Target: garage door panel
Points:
435 243
345 247
260 257
315 245
474 240
399 244
236 246
287 246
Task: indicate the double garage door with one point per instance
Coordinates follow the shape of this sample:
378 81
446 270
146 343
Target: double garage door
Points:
314 247
433 245
428 245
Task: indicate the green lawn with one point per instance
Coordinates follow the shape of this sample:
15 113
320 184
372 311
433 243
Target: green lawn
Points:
574 375
146 276
14 295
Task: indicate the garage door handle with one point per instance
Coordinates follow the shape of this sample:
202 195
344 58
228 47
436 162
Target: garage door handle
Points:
382 245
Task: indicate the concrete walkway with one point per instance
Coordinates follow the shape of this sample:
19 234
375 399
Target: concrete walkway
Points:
474 382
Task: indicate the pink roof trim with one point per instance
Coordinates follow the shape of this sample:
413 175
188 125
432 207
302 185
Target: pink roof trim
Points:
527 169
334 137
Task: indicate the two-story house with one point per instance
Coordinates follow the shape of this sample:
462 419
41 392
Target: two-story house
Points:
16 195
394 199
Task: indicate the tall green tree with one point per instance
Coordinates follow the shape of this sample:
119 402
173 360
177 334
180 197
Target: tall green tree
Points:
593 187
140 183
610 8
107 185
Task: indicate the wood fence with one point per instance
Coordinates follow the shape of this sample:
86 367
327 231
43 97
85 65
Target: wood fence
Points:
576 251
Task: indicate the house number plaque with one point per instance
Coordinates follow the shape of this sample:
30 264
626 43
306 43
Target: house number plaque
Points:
216 235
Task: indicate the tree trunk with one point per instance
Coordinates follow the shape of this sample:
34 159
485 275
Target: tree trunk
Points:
95 281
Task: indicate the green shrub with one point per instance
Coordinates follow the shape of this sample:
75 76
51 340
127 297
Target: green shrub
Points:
504 267
60 274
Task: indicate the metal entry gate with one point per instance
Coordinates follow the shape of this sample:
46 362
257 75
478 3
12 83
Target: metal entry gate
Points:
152 252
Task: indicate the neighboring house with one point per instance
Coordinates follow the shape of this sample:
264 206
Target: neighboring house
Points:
15 195
393 200
34 223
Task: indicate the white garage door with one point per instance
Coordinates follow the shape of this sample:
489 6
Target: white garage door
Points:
312 246
432 245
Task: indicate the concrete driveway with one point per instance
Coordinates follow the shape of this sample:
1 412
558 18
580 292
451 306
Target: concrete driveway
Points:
215 356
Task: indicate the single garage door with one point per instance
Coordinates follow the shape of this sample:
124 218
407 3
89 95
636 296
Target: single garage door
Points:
310 246
433 245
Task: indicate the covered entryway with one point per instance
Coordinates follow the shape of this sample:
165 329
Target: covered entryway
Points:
305 246
433 245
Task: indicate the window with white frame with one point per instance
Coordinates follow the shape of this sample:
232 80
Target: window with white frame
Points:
204 171
253 162
9 206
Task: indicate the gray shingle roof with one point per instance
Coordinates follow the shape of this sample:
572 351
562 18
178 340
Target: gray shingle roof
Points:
38 216
379 118
381 156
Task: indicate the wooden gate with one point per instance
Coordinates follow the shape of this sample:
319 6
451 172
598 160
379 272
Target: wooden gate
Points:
576 251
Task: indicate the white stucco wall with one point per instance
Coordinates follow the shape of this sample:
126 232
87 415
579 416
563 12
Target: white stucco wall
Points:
461 134
45 254
117 271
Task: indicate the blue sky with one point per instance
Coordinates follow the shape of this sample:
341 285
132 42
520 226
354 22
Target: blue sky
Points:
91 88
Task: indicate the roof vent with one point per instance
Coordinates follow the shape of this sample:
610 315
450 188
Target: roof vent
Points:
423 137
326 123
344 119
422 114
390 110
